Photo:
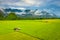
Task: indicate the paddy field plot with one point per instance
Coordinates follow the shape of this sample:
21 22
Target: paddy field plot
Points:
30 30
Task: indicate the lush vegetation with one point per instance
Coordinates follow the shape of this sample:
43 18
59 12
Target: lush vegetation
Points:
30 29
1 15
13 16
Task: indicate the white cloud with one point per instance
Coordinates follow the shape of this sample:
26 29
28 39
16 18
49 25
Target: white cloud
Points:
19 8
57 3
36 3
33 2
50 10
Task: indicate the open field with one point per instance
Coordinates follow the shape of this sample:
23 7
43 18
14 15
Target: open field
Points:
30 30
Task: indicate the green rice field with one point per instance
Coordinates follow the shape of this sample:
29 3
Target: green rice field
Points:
30 29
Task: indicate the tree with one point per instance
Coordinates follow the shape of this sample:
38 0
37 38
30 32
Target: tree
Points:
11 16
1 15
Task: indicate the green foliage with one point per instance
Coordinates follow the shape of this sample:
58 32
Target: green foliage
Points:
1 15
11 16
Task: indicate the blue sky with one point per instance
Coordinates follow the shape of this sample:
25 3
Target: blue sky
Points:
48 5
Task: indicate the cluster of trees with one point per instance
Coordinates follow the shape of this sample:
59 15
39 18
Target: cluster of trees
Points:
1 15
10 16
13 16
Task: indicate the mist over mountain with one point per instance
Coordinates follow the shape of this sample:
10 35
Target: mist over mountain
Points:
28 13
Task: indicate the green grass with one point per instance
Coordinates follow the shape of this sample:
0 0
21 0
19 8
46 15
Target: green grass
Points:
16 36
43 29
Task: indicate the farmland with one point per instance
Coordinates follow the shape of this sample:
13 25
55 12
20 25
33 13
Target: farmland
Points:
30 29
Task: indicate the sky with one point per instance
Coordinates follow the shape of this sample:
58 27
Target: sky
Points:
47 5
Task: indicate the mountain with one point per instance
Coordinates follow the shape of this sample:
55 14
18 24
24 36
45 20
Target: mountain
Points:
31 13
1 14
12 10
45 14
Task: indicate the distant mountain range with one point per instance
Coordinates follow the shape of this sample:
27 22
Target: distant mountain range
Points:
12 10
30 13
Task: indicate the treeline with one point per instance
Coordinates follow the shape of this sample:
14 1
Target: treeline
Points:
10 16
13 16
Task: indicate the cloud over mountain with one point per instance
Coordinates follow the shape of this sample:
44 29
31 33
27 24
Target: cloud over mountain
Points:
32 4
